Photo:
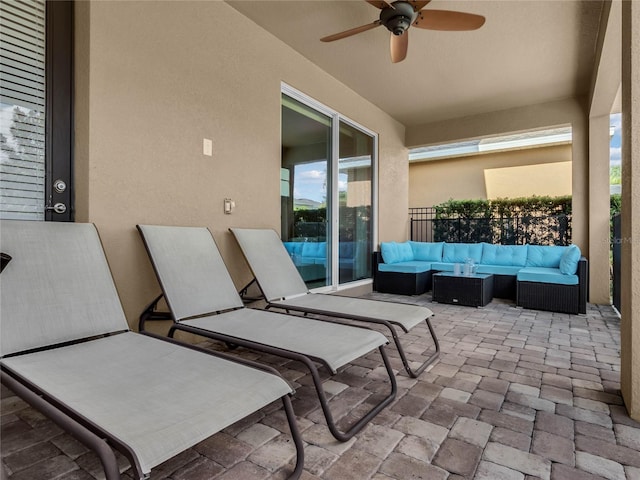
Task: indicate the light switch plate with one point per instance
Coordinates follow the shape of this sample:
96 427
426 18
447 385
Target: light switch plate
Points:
207 147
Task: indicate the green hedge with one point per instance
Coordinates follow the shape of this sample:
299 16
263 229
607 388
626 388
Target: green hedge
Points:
615 204
506 207
513 221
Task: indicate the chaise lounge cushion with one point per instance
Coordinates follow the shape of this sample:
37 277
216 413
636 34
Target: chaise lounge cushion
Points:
546 275
506 255
460 252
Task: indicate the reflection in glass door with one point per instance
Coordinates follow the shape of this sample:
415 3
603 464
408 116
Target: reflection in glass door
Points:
304 182
326 193
354 204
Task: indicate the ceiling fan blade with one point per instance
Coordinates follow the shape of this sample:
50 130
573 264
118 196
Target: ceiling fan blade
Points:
379 3
353 31
419 5
448 20
398 45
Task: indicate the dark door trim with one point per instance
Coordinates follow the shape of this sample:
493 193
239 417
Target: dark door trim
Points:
59 109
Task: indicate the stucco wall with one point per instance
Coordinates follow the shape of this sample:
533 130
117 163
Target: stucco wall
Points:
153 80
563 112
630 325
469 178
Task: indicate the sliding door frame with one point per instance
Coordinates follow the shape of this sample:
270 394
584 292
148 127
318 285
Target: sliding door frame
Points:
336 118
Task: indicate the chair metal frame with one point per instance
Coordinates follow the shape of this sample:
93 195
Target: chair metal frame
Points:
102 442
96 436
291 306
151 313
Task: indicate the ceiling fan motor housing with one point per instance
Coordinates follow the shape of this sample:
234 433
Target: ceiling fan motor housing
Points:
398 18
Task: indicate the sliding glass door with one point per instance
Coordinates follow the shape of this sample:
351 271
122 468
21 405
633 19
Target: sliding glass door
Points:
326 193
354 203
305 183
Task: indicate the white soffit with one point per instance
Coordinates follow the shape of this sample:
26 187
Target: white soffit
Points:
518 141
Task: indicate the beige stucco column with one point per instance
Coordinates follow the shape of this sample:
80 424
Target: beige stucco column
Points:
599 145
630 326
604 101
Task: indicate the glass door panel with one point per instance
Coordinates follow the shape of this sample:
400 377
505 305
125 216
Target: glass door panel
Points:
305 181
354 203
22 110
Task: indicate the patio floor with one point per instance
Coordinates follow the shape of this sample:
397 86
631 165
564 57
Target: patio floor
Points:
516 394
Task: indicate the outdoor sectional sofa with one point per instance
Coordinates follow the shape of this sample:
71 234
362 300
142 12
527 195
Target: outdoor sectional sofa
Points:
535 276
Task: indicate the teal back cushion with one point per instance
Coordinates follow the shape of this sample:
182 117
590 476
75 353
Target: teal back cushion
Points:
460 252
569 260
427 251
505 255
393 252
293 248
314 249
544 256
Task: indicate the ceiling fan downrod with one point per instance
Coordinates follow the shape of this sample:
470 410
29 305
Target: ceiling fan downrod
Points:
398 18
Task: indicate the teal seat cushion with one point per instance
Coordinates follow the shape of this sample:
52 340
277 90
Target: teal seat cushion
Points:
544 256
442 267
507 255
546 275
460 252
394 252
569 260
405 267
498 269
427 251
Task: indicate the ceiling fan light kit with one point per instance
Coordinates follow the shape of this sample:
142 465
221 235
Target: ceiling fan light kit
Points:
398 16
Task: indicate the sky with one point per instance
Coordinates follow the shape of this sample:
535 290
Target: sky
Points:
310 178
616 139
310 181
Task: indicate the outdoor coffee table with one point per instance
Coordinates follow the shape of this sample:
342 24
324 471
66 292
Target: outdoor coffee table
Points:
474 290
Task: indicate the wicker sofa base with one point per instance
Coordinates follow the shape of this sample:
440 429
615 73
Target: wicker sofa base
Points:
505 286
549 296
402 283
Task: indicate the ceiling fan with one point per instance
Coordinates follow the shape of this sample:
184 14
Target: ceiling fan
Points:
400 15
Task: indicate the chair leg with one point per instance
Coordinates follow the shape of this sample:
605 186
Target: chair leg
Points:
415 373
297 438
366 418
309 363
394 335
77 430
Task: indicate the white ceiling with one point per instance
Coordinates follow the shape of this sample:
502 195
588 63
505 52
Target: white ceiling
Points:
527 52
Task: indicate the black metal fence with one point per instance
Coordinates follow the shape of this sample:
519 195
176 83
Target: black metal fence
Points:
428 225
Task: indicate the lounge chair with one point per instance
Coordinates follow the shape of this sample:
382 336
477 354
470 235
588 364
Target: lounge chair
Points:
66 349
203 300
284 288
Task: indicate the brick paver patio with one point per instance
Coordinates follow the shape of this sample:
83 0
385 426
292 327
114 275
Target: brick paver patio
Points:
517 394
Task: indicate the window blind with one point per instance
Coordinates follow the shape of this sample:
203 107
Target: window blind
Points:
22 109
